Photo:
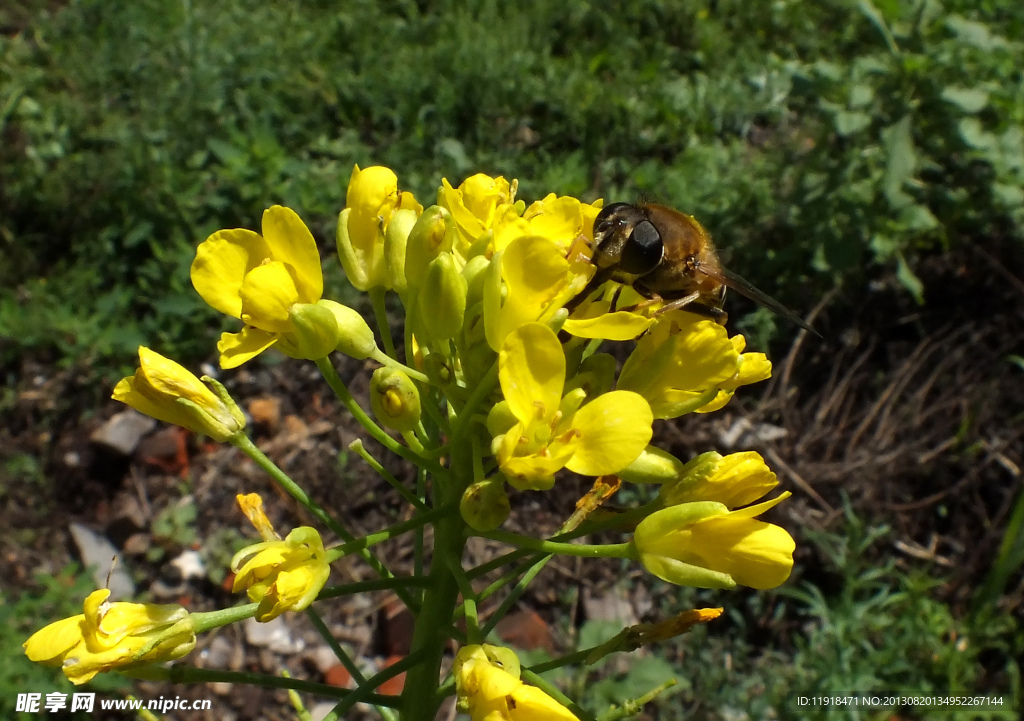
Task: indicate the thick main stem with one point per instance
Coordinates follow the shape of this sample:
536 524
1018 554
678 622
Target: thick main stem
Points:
431 635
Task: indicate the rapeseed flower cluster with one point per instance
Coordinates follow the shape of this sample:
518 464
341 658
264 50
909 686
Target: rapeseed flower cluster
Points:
500 386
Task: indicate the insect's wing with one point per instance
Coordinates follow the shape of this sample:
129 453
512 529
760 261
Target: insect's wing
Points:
745 288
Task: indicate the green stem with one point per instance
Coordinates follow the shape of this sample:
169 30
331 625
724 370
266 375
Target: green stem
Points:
340 390
377 584
468 599
480 393
609 550
357 447
386 360
206 620
372 539
281 478
339 652
555 693
513 596
363 693
380 312
432 624
181 673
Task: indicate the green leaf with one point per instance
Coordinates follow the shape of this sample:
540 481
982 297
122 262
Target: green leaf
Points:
970 100
848 123
902 160
975 135
860 96
974 33
908 280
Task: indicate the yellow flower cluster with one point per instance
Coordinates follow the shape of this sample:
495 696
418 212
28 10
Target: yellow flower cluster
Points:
516 388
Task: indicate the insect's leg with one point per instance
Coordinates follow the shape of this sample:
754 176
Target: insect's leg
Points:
678 303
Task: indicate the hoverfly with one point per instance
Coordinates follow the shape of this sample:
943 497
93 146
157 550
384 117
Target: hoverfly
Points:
667 255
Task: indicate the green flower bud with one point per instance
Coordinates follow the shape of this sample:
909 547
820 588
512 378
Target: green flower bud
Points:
315 332
652 466
434 233
442 299
484 505
394 399
474 273
355 338
500 419
395 242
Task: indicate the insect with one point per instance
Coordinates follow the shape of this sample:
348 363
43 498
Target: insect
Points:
667 255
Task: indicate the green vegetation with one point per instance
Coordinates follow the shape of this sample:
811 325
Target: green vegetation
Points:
813 140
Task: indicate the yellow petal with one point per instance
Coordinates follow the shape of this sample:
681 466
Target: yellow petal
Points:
237 348
614 430
252 507
529 703
531 370
291 243
221 264
537 279
754 553
617 326
559 219
48 645
171 379
268 293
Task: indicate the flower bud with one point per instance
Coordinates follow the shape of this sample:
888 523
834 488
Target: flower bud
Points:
168 392
735 480
372 195
395 246
433 234
395 399
315 332
708 546
355 339
442 299
657 466
484 505
475 273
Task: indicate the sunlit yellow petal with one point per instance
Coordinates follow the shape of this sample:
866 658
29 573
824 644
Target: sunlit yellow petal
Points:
237 348
531 370
618 326
49 644
267 295
754 553
220 266
291 243
614 429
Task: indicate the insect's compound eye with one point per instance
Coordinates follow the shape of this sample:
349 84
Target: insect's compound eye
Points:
643 250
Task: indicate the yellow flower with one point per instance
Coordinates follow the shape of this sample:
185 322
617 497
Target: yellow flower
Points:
754 367
537 431
680 363
733 480
281 575
708 546
168 392
371 201
537 282
560 219
112 635
489 688
258 279
475 205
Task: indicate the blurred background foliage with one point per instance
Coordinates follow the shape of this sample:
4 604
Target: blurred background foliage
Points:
825 145
819 142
